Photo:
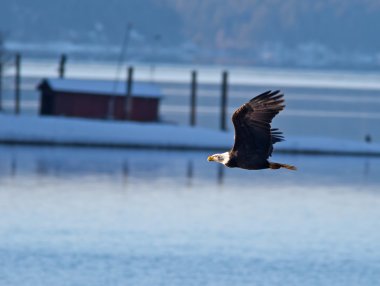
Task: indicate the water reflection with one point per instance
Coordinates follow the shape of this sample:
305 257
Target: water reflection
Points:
220 174
187 168
13 166
125 171
190 172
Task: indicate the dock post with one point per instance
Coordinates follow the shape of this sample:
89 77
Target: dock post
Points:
62 66
128 98
223 110
17 83
1 85
193 98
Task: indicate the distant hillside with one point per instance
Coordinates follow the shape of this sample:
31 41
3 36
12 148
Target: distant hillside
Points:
267 31
88 20
242 24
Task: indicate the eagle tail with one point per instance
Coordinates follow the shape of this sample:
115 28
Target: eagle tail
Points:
279 165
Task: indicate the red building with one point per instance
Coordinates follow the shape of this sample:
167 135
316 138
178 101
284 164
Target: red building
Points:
99 99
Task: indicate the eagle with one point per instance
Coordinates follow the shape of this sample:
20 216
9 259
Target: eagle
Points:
254 137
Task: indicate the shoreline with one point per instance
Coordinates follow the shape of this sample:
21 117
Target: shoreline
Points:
74 132
285 151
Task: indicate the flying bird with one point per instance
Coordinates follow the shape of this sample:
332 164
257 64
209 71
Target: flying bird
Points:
254 137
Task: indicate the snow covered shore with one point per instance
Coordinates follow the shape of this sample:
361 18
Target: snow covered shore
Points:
80 132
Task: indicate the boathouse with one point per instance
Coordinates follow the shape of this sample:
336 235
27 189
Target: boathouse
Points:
99 99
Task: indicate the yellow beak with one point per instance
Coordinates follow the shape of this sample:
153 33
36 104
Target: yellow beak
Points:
210 158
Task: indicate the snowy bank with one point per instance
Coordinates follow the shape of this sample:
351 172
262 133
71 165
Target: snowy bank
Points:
81 132
327 146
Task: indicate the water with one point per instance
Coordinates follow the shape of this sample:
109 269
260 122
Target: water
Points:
75 216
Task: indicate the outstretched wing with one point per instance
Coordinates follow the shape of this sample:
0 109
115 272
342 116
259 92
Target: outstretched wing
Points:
253 134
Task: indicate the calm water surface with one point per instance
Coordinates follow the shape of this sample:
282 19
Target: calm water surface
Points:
134 217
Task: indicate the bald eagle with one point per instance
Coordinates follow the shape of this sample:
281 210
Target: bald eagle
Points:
254 137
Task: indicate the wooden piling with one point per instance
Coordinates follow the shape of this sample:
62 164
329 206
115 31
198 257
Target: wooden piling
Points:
128 98
1 85
62 66
193 98
17 83
223 109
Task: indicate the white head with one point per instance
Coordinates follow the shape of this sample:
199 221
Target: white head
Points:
220 158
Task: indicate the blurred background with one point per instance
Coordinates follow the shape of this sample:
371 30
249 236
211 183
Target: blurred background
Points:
109 109
328 34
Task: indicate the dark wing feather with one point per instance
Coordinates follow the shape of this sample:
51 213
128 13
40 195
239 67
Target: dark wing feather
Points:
254 137
276 137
